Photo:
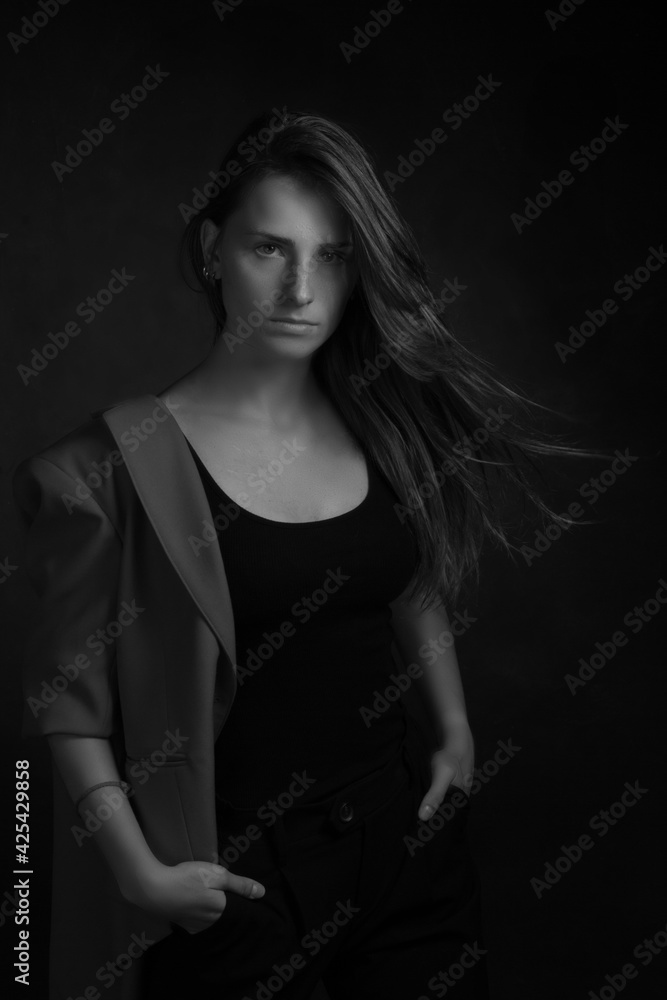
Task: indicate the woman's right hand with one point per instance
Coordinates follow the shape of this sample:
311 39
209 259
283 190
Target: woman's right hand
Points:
191 894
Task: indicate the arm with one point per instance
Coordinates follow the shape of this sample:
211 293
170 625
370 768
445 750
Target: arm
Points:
425 638
87 761
190 893
72 558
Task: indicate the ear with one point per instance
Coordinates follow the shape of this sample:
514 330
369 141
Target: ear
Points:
208 235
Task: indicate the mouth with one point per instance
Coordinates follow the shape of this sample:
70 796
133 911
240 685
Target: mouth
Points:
290 323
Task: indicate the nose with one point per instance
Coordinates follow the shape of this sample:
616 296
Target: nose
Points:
297 286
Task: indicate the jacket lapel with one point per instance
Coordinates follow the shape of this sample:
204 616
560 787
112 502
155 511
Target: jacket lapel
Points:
169 486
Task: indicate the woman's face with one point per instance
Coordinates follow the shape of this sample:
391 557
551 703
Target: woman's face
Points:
285 260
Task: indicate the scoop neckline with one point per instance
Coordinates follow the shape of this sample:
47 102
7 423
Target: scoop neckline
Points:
287 524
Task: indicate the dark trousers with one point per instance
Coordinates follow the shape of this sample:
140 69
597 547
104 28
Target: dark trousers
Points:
359 894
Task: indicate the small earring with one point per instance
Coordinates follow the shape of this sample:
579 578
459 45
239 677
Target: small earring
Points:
209 273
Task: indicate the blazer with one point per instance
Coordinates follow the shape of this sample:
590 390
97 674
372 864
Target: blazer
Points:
133 641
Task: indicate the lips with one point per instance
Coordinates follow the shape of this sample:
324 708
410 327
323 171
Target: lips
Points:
293 319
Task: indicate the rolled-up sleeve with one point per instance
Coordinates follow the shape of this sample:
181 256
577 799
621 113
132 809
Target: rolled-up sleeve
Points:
72 556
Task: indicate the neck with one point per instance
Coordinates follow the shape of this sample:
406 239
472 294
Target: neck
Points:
277 392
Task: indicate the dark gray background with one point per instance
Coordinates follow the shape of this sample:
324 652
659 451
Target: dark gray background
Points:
119 208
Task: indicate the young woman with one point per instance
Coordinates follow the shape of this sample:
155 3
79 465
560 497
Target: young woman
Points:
237 578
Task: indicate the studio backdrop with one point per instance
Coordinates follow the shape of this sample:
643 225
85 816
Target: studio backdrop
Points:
524 145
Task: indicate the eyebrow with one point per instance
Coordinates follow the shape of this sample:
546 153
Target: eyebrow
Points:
272 238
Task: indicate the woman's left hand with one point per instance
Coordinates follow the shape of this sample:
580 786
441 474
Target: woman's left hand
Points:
453 764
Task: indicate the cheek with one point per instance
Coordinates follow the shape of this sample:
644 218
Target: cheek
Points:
334 289
252 274
244 280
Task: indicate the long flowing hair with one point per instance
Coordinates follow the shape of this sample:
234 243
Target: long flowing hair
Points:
449 437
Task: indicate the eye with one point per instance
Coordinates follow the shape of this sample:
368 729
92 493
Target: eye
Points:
335 257
266 249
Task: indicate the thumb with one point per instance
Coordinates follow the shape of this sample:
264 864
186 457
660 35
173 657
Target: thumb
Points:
445 768
212 875
431 801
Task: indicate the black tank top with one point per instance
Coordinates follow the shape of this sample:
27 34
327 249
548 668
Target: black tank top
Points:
313 645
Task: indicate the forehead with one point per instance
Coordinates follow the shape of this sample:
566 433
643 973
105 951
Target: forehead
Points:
289 207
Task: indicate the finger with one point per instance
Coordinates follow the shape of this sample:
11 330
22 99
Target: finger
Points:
429 804
218 877
444 772
248 887
433 799
212 876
